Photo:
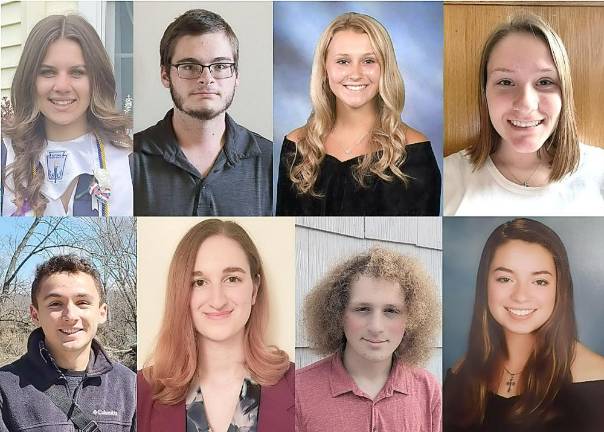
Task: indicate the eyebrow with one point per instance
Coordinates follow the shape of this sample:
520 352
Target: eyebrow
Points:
507 270
362 55
55 295
196 61
506 70
398 306
43 65
225 270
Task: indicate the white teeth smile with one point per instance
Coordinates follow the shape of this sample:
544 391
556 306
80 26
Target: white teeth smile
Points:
355 87
526 124
520 312
62 102
70 331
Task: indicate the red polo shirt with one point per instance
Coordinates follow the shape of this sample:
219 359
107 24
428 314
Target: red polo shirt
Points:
328 400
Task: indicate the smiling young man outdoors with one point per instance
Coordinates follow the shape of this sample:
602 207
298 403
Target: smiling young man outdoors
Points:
197 160
66 379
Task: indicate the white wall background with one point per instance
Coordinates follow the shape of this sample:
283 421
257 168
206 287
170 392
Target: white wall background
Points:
322 242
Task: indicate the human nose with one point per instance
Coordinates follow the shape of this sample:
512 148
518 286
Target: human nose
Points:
217 298
376 323
69 312
527 99
62 82
520 292
205 76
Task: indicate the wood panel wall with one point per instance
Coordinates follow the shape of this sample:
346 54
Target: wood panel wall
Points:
467 25
322 242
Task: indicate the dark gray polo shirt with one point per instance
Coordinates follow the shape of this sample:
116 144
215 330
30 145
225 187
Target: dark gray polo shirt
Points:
167 184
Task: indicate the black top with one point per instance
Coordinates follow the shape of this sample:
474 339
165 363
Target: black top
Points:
342 195
167 184
579 407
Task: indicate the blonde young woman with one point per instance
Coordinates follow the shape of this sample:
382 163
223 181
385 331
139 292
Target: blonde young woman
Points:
527 159
355 156
65 149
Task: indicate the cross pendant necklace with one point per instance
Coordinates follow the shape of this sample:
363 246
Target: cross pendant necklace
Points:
511 382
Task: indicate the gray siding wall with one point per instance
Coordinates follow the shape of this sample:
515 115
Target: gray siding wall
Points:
322 242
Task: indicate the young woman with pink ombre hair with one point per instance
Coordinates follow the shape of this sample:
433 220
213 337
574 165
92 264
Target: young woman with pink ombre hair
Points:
211 369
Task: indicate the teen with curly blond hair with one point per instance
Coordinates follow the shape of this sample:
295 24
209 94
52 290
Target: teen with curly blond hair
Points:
375 316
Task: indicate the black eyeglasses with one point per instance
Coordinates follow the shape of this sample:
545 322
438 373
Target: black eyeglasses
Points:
195 70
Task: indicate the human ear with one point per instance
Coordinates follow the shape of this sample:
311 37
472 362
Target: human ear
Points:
256 287
33 313
103 310
165 76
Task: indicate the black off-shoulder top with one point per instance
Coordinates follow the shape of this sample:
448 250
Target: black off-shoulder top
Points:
579 407
342 195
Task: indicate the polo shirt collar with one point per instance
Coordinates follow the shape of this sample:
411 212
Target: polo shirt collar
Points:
341 382
239 142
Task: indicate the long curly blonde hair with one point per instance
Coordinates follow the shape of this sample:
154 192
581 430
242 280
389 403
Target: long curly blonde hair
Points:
325 305
26 127
388 134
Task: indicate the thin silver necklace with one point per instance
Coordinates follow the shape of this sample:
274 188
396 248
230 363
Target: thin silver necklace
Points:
348 150
525 183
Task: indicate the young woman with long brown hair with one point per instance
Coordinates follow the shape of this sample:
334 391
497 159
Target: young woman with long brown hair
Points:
65 149
211 369
524 368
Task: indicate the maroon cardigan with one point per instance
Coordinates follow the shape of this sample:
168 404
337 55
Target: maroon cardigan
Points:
276 408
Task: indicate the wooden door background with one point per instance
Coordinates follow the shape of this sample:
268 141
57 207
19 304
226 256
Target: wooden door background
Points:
468 24
321 242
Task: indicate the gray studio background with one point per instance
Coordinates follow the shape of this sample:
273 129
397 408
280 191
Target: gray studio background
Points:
416 30
321 242
252 23
463 240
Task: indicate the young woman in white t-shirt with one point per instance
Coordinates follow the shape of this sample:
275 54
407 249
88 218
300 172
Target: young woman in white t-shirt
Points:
66 146
527 159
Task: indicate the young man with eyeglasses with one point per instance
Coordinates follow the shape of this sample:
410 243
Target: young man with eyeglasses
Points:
198 160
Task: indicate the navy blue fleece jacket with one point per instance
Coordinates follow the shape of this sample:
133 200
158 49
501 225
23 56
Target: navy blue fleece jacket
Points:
106 394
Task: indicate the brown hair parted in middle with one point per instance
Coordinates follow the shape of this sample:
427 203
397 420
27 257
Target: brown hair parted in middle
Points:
548 367
563 144
325 304
26 127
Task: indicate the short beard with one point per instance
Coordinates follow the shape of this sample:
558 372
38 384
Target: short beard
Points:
206 114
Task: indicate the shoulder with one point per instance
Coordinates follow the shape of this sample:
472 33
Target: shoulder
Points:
460 158
296 135
122 371
591 161
587 365
587 149
159 132
244 139
413 136
421 377
315 372
16 375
